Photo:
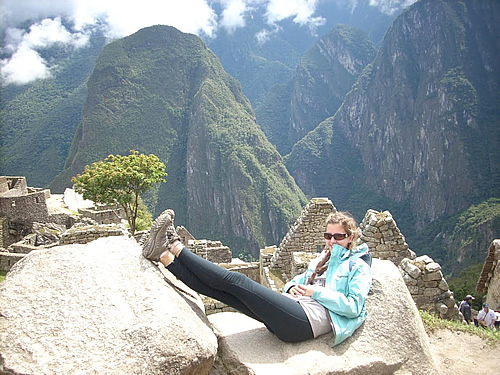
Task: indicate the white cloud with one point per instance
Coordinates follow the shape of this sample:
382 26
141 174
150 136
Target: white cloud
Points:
301 10
51 31
233 15
24 66
124 17
391 6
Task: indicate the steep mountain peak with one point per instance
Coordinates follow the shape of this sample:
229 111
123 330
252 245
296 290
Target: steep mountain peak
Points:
325 74
164 92
419 131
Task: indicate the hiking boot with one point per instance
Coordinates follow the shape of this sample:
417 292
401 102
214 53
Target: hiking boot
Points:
162 236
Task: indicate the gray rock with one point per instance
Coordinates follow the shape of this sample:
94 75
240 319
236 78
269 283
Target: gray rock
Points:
391 341
99 308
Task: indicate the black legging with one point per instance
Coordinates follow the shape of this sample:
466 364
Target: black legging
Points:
280 314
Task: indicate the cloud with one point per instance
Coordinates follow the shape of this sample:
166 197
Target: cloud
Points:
233 14
25 64
391 6
124 17
301 10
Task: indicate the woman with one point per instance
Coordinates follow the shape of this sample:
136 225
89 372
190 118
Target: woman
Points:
330 295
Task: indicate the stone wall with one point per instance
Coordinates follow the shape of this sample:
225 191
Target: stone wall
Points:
184 234
213 251
306 235
103 214
427 286
4 232
489 280
383 237
13 186
27 208
63 219
86 234
7 260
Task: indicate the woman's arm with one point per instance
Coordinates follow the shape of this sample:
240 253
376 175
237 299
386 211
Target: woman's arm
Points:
299 279
349 305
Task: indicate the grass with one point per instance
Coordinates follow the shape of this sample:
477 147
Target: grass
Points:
2 275
432 323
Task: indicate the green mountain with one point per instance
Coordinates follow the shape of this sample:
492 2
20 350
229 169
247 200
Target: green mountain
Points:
261 55
38 120
164 92
418 133
324 76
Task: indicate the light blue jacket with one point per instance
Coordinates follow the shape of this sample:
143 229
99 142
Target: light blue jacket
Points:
345 289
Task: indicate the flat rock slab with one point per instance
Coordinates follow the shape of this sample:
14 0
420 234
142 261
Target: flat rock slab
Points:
391 341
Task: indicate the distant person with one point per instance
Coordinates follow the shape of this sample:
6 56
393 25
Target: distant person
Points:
465 308
486 317
329 296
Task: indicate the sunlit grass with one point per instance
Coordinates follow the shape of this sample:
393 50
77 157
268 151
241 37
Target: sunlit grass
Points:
432 323
2 275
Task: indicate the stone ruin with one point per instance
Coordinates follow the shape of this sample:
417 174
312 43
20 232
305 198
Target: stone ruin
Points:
34 219
422 275
383 237
380 232
276 265
428 288
489 280
306 235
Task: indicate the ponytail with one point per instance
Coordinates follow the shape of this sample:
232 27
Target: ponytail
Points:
320 267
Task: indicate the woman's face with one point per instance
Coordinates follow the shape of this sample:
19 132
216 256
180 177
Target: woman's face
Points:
333 229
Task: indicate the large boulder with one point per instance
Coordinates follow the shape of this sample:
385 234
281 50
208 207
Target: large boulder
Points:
99 308
391 341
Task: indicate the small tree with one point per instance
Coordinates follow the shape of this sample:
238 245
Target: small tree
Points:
121 180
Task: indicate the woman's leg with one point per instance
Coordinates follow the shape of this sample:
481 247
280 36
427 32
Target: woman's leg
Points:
178 269
282 315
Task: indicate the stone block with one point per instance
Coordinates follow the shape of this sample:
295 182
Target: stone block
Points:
431 292
431 284
443 285
409 280
432 276
412 270
432 267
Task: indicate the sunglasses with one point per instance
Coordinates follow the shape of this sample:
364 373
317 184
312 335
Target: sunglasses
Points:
336 236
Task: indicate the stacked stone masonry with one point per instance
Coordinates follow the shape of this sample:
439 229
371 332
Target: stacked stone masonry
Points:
104 214
7 260
86 234
4 232
489 280
427 286
383 237
213 251
306 235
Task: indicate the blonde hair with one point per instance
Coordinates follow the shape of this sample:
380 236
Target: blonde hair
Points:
351 228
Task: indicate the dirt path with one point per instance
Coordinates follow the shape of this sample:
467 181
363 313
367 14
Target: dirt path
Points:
459 353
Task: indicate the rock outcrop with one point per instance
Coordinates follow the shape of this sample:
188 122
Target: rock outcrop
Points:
99 308
392 339
102 308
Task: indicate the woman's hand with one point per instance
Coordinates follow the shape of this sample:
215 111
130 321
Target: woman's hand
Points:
301 290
